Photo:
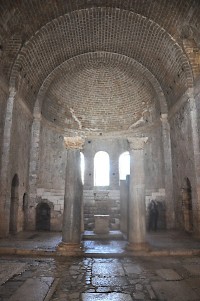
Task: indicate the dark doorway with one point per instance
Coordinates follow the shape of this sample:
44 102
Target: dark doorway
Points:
187 206
43 215
14 202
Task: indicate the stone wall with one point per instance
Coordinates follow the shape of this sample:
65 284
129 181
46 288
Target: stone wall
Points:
52 159
19 155
197 98
51 176
154 161
182 158
101 202
114 147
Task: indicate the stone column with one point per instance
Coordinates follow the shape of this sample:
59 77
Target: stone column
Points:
137 211
124 199
71 234
5 181
33 171
196 153
170 212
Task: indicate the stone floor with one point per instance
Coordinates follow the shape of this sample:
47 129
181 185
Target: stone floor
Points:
45 243
93 279
105 272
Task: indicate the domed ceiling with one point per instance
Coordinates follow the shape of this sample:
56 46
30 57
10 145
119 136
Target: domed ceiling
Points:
99 92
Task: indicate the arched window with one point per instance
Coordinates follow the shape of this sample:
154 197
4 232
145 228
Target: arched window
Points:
101 169
82 167
124 165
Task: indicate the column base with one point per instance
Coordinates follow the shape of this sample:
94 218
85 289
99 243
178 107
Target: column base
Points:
69 249
138 247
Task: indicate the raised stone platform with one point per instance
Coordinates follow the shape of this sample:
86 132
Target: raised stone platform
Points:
115 234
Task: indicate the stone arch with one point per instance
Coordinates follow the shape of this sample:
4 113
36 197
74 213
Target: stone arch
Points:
43 215
14 204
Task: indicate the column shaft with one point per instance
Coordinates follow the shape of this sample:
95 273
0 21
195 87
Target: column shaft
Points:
137 212
137 228
72 199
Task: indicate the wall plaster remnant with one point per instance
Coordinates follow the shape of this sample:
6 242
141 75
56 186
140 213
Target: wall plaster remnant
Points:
143 119
75 118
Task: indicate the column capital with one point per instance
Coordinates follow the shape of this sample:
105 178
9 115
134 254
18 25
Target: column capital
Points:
137 143
74 142
164 117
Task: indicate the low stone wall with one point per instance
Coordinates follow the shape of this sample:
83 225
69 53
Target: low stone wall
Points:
105 202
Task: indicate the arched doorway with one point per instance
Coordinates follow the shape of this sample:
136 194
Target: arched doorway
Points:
187 206
14 202
43 216
25 211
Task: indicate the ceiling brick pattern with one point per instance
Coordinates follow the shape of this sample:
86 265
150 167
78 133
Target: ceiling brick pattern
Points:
108 30
99 88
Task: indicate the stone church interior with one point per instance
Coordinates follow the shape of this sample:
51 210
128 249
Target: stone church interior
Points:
99 149
99 116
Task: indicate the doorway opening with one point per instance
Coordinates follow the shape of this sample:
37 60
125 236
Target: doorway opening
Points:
43 216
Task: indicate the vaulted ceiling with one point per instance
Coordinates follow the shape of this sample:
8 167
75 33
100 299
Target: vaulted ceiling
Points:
100 65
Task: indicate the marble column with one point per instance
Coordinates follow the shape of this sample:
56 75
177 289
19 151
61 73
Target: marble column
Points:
124 199
5 171
137 211
166 139
71 234
193 100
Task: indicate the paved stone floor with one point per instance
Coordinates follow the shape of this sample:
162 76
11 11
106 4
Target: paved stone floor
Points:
105 272
45 243
107 279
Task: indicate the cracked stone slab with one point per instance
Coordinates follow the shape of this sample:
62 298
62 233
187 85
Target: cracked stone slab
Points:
168 274
174 291
33 289
132 269
9 269
193 269
105 297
